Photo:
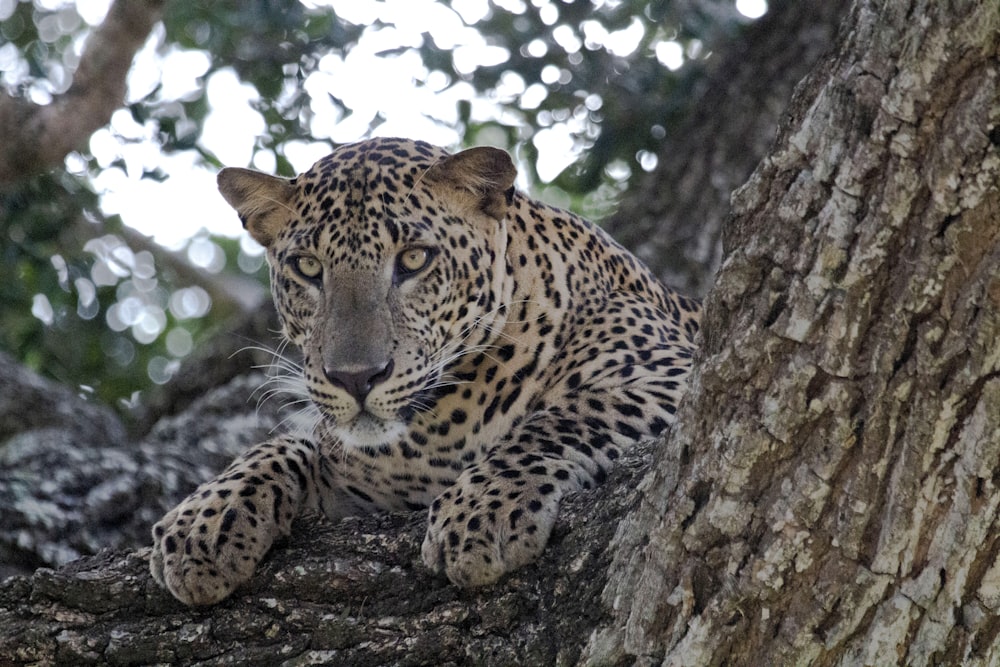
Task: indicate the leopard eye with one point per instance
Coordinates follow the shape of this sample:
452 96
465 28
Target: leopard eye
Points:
412 261
308 267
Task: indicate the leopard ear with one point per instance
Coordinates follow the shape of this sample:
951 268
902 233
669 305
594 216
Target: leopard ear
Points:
483 177
262 201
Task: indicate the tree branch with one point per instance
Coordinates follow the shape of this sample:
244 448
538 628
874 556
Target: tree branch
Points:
38 137
349 593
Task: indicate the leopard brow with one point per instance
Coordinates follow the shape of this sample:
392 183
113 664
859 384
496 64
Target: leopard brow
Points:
417 226
406 198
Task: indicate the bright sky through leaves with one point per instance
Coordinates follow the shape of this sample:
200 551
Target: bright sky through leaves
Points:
175 210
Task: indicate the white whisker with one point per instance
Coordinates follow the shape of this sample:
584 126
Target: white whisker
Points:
285 379
302 421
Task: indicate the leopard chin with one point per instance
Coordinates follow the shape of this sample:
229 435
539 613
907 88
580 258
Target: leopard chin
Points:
366 430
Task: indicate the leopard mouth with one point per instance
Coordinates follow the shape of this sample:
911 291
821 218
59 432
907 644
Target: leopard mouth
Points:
366 430
367 426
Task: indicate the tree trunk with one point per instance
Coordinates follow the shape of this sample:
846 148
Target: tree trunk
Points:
830 495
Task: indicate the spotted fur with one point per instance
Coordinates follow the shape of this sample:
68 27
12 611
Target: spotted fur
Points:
468 349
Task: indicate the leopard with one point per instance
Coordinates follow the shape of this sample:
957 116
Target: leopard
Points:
469 352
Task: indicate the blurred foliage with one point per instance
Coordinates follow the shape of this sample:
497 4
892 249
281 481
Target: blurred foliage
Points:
618 104
81 305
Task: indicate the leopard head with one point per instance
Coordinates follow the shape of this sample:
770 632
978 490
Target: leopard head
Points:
387 263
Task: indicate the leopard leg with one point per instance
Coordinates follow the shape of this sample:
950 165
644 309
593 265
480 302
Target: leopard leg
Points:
213 540
612 392
499 514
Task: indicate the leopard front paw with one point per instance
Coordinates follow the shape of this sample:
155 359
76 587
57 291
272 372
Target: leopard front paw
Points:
479 529
210 544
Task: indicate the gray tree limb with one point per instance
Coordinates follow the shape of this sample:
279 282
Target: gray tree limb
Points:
38 137
71 482
351 593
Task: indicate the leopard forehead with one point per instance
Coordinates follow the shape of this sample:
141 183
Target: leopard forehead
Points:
364 199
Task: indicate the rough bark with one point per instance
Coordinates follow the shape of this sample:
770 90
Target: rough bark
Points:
38 137
831 495
674 217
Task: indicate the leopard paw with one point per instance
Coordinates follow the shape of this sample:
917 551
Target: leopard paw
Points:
482 528
211 543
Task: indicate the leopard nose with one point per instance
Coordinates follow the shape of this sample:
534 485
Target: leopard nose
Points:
359 383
